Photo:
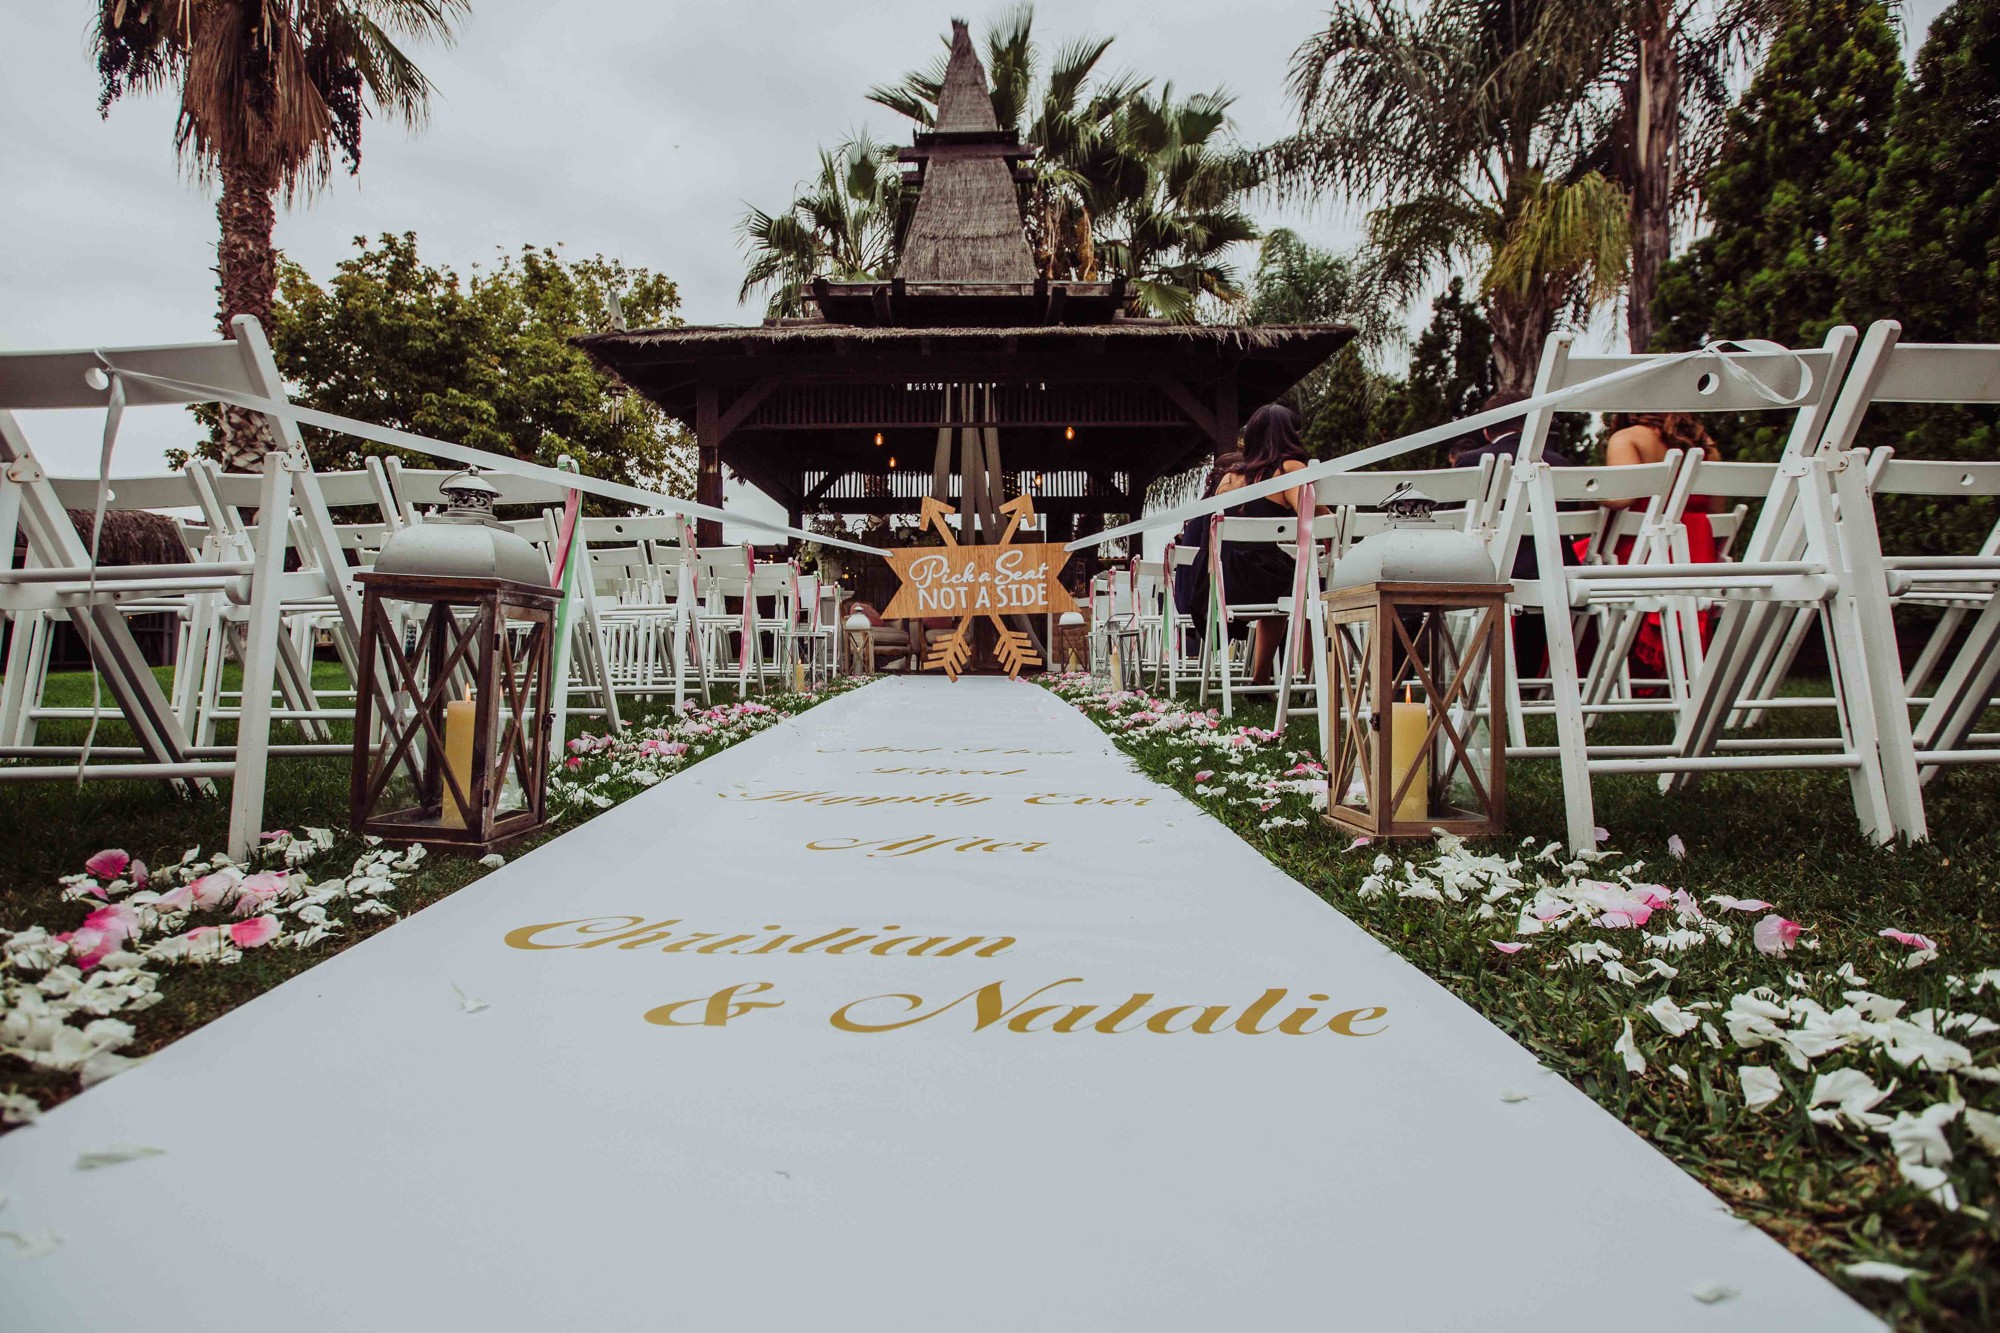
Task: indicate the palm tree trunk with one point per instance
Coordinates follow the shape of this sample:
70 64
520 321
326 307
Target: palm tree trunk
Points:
1521 324
247 283
1654 105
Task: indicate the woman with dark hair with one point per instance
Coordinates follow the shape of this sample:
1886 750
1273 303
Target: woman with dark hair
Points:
1256 572
1635 438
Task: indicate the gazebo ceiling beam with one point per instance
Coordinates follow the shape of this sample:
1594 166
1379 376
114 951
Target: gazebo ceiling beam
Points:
744 404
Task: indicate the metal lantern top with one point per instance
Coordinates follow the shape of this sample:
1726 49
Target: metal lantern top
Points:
1416 548
465 541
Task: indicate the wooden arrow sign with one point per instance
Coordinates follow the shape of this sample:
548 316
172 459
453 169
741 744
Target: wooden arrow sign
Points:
974 581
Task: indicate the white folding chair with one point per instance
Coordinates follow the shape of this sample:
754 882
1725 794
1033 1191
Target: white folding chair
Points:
59 576
1796 557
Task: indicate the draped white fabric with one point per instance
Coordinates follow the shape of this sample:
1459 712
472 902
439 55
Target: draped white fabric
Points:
356 1150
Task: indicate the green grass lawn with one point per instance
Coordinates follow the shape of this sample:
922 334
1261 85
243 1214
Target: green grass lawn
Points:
1833 1195
53 827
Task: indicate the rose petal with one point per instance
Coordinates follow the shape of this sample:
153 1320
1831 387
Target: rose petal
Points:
1761 1086
1906 937
1729 904
1676 848
1508 946
109 863
1775 935
253 932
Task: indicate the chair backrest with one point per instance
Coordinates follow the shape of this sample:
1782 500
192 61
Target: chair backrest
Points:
1601 485
1368 490
725 570
414 487
1939 373
1728 381
1230 528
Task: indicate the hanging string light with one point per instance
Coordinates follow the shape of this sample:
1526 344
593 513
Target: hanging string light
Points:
878 439
1069 432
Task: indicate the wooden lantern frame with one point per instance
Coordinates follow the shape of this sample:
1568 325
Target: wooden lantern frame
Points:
1362 678
520 676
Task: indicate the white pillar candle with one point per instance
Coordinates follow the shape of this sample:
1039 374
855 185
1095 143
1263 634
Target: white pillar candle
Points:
458 728
1409 724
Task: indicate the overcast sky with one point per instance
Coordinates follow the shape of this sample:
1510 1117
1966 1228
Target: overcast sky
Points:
632 128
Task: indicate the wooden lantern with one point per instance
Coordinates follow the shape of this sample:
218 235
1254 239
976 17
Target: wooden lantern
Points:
451 724
1416 665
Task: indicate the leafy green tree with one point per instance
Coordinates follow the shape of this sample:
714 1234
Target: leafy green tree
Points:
1925 250
1299 283
486 363
1451 373
1926 247
1803 150
270 93
846 223
1473 129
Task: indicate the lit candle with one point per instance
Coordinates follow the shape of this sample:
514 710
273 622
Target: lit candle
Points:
1409 725
458 723
798 677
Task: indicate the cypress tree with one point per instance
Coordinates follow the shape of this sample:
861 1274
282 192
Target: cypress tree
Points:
1926 252
1804 148
1929 254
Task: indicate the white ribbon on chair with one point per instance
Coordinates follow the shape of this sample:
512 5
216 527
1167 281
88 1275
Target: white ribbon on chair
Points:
114 414
1718 352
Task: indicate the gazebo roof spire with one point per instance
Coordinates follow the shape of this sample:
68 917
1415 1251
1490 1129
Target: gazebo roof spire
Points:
964 105
967 225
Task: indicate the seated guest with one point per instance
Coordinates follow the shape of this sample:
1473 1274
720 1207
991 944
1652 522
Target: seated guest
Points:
1645 437
1254 572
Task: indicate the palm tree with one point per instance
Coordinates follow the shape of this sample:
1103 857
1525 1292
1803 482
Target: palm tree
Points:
271 92
1125 180
1472 130
847 222
1178 213
1676 62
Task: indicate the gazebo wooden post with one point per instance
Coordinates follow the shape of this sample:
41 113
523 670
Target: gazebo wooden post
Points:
708 473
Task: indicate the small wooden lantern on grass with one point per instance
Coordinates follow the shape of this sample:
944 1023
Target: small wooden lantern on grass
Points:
1416 662
458 615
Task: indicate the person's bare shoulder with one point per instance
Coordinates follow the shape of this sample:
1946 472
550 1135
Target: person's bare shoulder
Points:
1628 446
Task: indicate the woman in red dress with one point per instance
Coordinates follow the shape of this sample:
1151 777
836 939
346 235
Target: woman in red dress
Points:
1645 437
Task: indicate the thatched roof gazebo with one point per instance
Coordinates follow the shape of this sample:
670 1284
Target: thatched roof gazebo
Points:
851 410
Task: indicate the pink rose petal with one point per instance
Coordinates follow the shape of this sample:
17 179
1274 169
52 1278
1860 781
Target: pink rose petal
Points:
1676 848
1204 775
1508 946
253 932
1914 941
258 890
1729 904
109 863
1775 935
215 889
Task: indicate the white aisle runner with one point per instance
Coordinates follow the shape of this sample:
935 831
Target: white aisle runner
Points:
1050 1049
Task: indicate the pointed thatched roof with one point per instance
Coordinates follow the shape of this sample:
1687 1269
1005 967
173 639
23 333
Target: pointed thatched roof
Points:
967 226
